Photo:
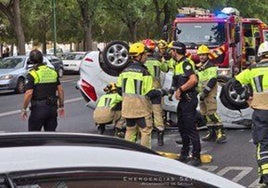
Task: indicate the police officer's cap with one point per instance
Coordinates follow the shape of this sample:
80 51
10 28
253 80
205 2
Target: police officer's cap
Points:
36 57
179 47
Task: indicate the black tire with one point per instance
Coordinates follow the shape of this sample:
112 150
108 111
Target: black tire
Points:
106 69
222 79
226 102
234 98
20 88
115 55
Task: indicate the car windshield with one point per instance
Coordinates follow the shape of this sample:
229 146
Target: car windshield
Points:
73 56
11 63
201 33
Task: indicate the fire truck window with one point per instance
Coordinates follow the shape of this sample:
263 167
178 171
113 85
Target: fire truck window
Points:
201 33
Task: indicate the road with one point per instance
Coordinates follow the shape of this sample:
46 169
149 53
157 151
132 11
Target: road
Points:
234 160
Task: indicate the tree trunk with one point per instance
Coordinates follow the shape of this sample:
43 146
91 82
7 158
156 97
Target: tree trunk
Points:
88 37
132 27
12 12
87 25
17 25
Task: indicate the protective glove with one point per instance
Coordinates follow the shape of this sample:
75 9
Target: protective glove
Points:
170 94
153 93
164 92
202 96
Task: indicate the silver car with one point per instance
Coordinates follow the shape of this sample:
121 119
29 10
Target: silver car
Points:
13 71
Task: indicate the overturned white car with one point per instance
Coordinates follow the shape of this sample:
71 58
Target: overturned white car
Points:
100 68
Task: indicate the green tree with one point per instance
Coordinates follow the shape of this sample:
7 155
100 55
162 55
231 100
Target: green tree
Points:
129 12
11 9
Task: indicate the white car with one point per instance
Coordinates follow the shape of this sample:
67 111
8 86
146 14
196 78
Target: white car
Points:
84 160
100 68
72 61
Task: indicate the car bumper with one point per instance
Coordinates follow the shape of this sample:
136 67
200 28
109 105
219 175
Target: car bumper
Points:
71 67
7 84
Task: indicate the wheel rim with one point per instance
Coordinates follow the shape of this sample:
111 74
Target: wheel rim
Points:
21 86
235 96
117 55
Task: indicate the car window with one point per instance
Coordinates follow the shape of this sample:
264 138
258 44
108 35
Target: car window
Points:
73 56
103 177
11 63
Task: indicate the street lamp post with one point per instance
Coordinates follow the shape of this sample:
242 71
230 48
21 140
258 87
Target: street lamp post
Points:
54 27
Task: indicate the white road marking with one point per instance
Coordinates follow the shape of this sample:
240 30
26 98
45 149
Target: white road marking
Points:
209 168
255 184
18 111
243 173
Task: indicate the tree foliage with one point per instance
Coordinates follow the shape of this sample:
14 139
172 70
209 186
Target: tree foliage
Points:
84 21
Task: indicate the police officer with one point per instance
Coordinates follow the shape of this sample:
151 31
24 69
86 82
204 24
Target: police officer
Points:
108 110
155 67
136 84
184 83
207 88
45 93
257 77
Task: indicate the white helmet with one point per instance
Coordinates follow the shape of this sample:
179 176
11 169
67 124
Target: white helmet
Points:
263 49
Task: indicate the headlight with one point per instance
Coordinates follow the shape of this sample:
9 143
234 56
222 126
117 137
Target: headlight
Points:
6 77
224 72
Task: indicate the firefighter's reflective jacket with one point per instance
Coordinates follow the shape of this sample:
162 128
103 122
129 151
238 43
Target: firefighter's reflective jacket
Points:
155 67
207 76
104 112
135 82
257 76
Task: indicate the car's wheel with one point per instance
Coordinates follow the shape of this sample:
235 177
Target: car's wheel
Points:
226 102
107 69
233 97
60 72
222 79
20 86
115 55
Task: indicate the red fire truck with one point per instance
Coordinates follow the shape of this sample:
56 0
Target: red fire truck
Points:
224 32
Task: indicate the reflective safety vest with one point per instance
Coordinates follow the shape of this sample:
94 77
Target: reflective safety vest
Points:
178 66
205 73
135 82
43 75
155 67
257 76
109 100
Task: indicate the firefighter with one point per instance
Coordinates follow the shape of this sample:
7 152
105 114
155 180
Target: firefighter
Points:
207 88
136 84
163 51
184 84
155 67
108 110
257 77
45 93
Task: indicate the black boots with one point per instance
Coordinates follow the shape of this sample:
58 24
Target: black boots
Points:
220 134
101 128
211 135
215 133
160 137
120 133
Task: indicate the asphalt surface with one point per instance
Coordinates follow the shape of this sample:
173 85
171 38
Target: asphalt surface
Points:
234 160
